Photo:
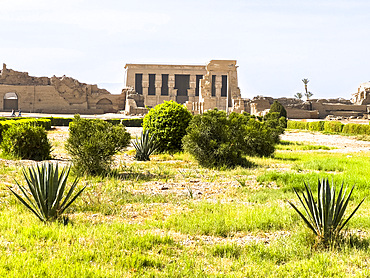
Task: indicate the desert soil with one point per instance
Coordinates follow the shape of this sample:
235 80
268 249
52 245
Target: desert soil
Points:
344 144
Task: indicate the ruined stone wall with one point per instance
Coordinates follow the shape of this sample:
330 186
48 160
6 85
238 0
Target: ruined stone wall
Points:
294 113
312 109
219 68
362 96
56 94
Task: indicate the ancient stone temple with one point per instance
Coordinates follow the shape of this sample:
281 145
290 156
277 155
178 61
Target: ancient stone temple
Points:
362 96
198 87
64 94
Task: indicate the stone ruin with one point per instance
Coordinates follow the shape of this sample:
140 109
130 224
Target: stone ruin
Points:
309 109
215 85
134 103
198 87
63 94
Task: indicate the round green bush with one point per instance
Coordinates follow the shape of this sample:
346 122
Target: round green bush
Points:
168 122
92 144
217 140
26 141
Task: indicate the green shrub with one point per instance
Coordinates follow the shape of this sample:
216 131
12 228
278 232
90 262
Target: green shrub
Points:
298 125
92 144
332 126
136 122
217 140
5 124
45 123
114 121
316 126
26 141
59 121
276 124
168 122
260 138
356 129
45 193
279 108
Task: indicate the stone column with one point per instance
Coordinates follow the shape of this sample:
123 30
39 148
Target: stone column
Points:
158 86
218 85
219 101
172 92
145 84
191 90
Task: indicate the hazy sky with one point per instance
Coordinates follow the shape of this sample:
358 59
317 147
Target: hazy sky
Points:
276 43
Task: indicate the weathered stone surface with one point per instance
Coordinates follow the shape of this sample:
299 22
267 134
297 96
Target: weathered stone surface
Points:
363 94
218 87
54 95
311 109
134 103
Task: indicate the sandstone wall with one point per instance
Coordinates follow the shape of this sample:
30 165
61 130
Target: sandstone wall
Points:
56 94
293 113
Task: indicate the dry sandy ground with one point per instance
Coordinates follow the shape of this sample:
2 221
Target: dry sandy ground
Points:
345 144
341 143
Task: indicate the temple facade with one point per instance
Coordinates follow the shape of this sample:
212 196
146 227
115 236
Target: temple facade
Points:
198 87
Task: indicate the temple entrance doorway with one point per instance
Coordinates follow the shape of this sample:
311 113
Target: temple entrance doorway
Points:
106 105
182 86
10 102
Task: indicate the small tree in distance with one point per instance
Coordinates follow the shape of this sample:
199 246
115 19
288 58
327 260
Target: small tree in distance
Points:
298 95
279 108
307 93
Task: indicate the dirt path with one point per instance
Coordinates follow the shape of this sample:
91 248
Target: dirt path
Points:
345 144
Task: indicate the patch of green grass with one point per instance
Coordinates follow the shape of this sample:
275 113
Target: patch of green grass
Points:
250 231
93 250
224 219
226 250
109 199
299 146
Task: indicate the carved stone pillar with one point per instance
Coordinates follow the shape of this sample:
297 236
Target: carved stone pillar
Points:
158 86
145 83
171 87
191 90
218 86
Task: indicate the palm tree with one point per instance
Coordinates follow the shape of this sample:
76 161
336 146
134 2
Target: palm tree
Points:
305 81
298 95
307 94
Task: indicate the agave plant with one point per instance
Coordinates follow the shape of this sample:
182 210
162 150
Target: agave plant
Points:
145 146
325 217
45 195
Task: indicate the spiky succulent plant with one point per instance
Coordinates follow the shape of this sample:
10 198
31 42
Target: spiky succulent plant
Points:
44 194
145 146
325 217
